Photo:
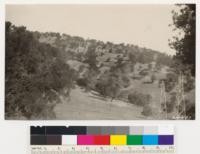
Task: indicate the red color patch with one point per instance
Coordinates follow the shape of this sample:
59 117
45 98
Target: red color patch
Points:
102 139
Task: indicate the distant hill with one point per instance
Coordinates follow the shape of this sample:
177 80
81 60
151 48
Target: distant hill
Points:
96 59
106 52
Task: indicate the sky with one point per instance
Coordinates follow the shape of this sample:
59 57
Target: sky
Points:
142 25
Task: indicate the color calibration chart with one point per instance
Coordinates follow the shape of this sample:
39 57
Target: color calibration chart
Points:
102 140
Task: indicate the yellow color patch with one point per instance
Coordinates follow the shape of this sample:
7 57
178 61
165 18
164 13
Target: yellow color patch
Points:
117 139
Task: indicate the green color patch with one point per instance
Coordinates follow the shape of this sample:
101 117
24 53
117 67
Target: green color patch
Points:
134 140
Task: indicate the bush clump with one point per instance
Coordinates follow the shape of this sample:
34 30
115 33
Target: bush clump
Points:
147 110
139 98
108 85
125 81
82 82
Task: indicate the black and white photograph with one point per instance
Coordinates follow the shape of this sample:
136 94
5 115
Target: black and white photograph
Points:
100 62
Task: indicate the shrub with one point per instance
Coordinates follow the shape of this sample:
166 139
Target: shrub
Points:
108 59
170 81
139 98
153 78
82 82
147 110
123 94
101 88
143 72
190 112
126 81
170 104
189 83
108 85
189 109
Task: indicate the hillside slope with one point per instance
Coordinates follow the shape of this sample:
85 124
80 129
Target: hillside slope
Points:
86 105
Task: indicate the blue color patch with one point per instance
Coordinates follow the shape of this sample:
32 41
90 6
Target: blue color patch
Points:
150 140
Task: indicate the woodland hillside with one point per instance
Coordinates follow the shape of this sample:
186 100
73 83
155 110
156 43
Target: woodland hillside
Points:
45 70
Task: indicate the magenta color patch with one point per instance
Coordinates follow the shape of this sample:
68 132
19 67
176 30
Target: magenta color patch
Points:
85 140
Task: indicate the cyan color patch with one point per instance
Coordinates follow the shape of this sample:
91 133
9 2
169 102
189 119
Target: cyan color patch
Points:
150 140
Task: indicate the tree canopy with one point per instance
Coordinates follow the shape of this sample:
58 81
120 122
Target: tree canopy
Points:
184 22
35 74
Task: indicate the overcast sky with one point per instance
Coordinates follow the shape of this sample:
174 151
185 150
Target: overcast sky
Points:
142 25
